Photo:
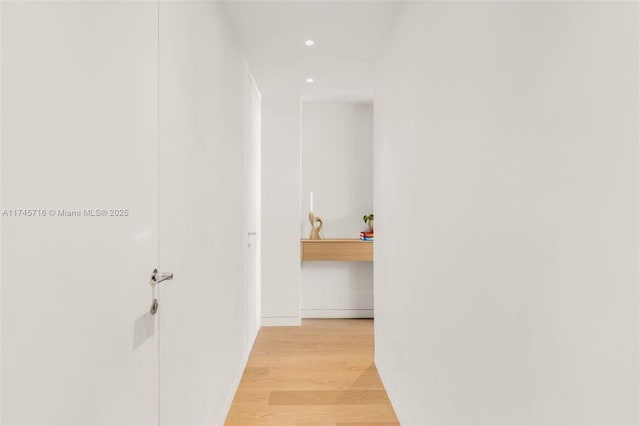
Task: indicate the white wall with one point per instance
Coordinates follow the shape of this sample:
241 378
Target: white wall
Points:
80 117
506 202
337 166
204 318
280 210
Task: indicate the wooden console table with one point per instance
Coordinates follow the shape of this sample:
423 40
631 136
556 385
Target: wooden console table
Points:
341 249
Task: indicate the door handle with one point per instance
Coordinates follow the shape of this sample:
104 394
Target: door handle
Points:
252 233
158 277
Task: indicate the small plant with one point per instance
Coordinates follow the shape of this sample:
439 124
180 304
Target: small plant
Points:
367 217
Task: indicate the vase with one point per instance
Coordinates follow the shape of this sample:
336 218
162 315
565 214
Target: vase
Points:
316 226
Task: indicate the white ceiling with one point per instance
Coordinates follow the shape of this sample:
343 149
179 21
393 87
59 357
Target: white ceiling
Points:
347 35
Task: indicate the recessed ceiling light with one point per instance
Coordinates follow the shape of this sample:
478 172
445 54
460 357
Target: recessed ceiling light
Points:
309 80
309 43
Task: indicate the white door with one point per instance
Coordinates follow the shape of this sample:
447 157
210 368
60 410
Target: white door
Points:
252 152
79 139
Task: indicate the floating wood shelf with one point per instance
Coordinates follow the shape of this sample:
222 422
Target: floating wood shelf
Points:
340 249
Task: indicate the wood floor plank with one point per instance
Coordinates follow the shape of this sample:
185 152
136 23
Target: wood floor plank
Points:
328 397
323 414
321 373
279 378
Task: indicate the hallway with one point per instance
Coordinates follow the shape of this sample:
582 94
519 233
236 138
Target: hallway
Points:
319 373
188 193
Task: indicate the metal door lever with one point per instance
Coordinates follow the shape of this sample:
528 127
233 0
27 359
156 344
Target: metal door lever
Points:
158 277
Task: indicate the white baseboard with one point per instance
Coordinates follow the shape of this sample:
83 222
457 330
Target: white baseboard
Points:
236 382
280 321
232 392
337 313
390 392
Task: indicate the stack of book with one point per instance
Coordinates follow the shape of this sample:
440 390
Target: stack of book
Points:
366 236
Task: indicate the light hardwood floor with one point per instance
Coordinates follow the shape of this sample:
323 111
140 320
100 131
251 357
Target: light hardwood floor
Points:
321 373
